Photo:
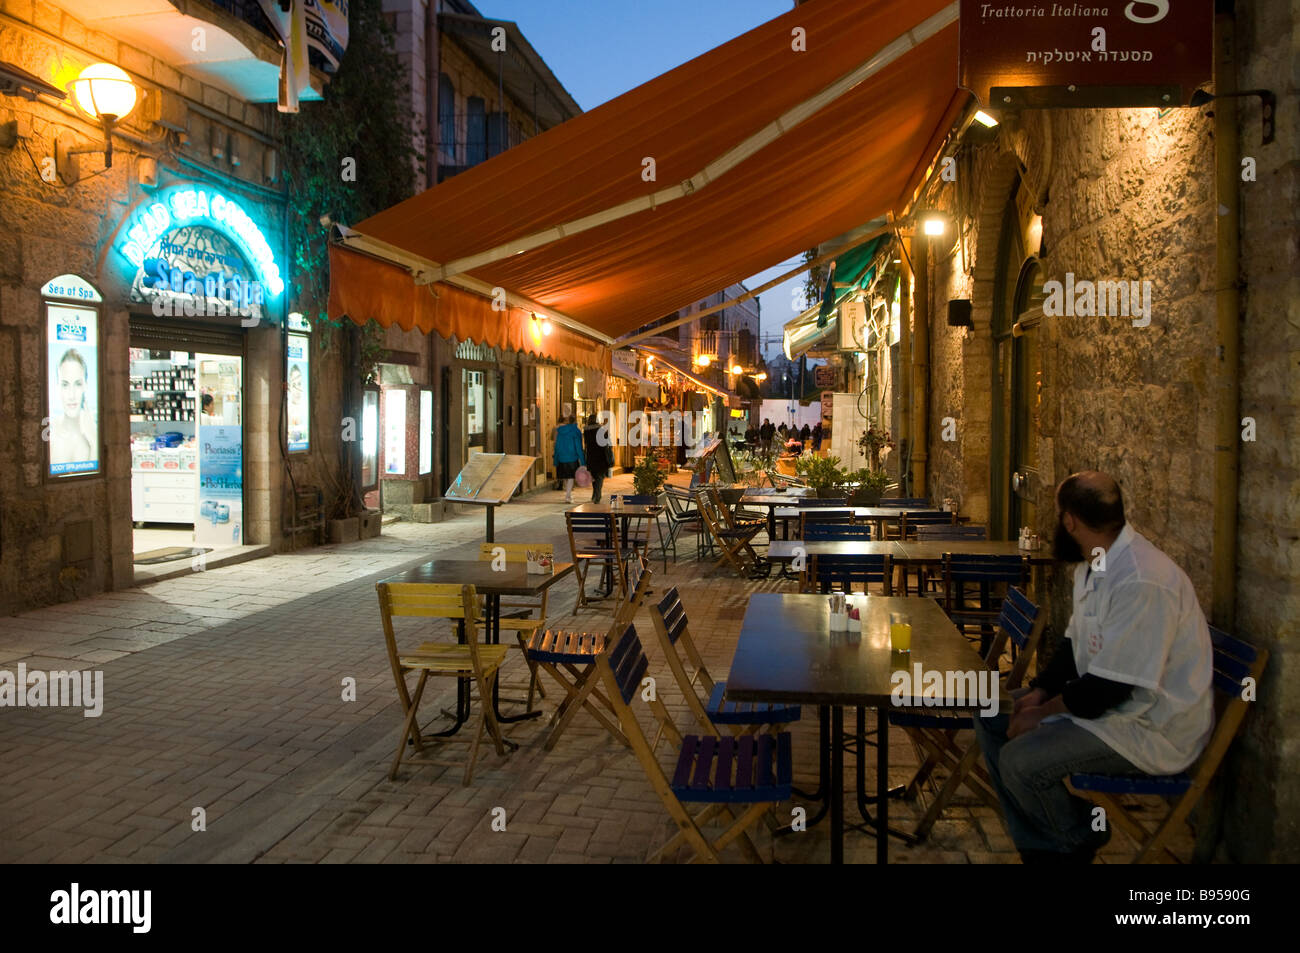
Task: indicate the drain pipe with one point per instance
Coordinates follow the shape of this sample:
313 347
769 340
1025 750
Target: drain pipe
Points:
920 363
904 393
1227 443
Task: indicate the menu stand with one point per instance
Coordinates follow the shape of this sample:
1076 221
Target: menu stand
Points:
489 480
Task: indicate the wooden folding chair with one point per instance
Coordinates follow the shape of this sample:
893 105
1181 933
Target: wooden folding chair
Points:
517 616
739 778
988 573
732 540
713 709
467 661
934 735
836 532
909 520
593 537
931 582
570 658
845 573
1235 661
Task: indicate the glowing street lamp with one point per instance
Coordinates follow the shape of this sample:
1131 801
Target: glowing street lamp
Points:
103 93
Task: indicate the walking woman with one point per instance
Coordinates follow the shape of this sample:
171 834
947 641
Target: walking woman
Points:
600 455
568 454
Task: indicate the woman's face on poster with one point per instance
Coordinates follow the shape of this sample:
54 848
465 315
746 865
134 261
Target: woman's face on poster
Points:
72 387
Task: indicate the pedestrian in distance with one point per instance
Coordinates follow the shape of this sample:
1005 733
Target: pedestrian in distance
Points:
600 455
569 454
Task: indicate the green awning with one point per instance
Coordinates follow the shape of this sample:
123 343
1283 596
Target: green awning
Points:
848 273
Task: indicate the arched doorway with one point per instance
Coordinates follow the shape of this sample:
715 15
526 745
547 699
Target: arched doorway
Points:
1017 369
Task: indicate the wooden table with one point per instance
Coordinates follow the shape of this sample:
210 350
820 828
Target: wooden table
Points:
876 514
626 512
784 550
492 584
930 553
787 653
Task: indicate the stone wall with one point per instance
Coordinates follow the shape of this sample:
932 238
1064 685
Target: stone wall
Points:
51 228
1130 194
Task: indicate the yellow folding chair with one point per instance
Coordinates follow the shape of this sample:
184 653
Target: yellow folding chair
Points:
739 778
1235 662
517 616
467 661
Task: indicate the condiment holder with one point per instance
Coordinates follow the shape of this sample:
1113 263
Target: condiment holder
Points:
839 613
540 562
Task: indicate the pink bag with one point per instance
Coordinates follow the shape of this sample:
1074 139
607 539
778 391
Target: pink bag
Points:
582 477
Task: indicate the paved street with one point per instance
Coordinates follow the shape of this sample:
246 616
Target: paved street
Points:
223 692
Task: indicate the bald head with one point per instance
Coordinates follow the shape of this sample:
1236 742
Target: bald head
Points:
1093 498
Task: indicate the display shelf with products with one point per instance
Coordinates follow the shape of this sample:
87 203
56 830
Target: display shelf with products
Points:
164 442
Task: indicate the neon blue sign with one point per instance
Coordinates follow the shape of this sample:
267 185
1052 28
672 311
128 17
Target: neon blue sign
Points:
187 205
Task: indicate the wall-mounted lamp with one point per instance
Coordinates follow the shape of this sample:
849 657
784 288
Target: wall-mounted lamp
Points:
577 380
984 119
103 93
737 369
703 360
933 224
761 376
1267 104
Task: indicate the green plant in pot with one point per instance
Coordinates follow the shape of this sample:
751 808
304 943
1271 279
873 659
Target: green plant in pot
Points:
866 486
823 474
647 478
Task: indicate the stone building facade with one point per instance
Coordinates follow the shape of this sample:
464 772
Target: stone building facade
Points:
193 138
1130 194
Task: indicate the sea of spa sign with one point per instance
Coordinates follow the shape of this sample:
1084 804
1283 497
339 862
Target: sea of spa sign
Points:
1077 47
72 364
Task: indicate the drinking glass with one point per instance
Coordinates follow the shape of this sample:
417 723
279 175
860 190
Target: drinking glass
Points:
900 632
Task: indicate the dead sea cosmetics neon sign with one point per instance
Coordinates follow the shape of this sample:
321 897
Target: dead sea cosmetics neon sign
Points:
191 206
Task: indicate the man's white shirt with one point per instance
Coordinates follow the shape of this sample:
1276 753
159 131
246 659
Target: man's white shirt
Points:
1139 623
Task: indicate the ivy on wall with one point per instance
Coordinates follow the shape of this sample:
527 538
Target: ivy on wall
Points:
347 158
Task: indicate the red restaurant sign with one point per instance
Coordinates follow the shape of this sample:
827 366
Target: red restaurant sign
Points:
1040 53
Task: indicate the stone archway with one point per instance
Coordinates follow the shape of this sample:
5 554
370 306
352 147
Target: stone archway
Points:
996 175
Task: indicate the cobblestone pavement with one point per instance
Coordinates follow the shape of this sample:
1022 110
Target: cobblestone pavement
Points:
222 691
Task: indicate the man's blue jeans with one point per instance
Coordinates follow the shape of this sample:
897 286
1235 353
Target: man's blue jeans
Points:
1029 773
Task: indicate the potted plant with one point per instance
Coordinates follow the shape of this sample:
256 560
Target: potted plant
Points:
872 443
866 486
823 474
647 478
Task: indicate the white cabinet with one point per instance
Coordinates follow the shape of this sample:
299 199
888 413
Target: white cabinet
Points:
163 496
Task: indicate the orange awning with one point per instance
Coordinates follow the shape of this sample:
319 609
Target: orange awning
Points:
846 159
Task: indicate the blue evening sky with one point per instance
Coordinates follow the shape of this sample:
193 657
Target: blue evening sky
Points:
600 49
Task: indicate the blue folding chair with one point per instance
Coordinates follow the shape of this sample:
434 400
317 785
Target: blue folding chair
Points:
961 570
1021 623
836 532
737 778
1235 662
827 573
674 634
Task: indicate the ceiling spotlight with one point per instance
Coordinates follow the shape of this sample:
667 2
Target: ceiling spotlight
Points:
703 360
933 225
546 326
984 119
737 369
577 380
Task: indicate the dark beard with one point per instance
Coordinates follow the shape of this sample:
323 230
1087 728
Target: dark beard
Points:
1064 546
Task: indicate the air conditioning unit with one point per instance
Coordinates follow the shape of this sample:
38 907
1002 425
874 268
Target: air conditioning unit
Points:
853 326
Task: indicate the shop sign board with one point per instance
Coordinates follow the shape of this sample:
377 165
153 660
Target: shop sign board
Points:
1095 53
298 379
72 365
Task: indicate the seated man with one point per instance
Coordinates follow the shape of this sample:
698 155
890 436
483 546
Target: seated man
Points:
1127 692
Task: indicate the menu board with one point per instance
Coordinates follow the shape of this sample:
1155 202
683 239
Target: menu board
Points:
501 484
473 475
489 477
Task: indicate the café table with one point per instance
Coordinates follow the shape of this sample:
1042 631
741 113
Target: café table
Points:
787 653
879 515
771 499
919 554
512 580
627 512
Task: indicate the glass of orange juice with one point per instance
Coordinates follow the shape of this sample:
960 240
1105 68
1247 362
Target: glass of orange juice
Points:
900 632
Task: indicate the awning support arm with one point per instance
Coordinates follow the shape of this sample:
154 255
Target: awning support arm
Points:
630 339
